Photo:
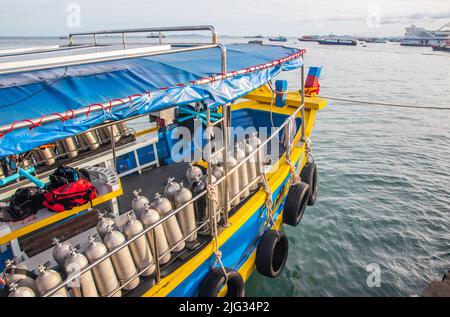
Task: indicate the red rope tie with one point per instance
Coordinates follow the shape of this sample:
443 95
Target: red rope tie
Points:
91 106
163 88
34 124
9 129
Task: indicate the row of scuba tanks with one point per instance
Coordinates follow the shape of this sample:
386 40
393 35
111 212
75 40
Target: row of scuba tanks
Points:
171 236
72 146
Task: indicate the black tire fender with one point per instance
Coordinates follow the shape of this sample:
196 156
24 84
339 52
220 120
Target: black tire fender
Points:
272 253
296 202
309 176
216 280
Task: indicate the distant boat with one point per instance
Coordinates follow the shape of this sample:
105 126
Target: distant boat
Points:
307 38
417 36
278 39
155 35
259 42
337 41
441 48
254 37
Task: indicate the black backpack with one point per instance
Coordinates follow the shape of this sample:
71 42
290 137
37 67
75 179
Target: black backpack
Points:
25 202
64 175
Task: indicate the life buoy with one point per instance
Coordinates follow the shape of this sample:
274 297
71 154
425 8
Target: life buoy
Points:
309 176
272 252
216 280
296 201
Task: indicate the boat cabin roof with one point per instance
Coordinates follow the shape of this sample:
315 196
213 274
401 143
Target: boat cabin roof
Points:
50 93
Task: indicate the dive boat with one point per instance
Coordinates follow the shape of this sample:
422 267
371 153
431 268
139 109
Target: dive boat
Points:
187 179
278 39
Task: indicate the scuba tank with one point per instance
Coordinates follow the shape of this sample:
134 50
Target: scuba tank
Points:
192 173
18 274
251 164
70 147
233 181
47 155
20 291
254 141
242 171
186 217
83 285
199 186
170 190
90 140
104 275
148 218
60 251
122 260
139 248
48 279
218 173
115 133
123 129
170 225
104 223
139 202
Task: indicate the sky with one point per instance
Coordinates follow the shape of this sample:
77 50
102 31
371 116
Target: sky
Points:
230 17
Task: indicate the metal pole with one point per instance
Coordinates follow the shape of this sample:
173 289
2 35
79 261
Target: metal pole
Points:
211 211
225 126
303 96
113 146
155 247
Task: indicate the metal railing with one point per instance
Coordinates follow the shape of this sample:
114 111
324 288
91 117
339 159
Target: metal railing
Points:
124 32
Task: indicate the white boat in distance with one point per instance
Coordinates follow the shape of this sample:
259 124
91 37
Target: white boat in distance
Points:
417 36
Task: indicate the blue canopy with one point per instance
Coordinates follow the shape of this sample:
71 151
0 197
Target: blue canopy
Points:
143 85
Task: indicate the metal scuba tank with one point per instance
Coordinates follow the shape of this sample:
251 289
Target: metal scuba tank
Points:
170 189
47 155
115 133
104 275
139 248
242 171
201 212
102 135
123 129
170 225
60 251
148 218
20 291
233 181
70 147
90 139
104 223
251 163
218 173
139 202
254 141
192 173
83 285
48 279
122 260
186 217
17 274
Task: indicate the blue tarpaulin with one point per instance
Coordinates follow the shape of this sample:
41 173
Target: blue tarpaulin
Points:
35 94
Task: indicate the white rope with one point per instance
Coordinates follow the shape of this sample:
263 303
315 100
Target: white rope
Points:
268 202
212 197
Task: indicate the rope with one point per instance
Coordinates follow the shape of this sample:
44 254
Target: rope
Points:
212 197
268 202
384 103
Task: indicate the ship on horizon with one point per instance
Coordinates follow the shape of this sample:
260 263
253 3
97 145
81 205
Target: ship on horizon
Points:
417 36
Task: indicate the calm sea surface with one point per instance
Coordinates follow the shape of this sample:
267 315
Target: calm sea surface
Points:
384 175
